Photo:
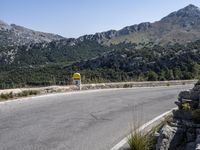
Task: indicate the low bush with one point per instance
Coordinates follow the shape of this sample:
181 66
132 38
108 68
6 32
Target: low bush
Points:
27 93
127 86
5 96
11 95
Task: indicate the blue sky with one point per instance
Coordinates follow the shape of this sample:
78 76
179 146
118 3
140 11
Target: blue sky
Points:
73 18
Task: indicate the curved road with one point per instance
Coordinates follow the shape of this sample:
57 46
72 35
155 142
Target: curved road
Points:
89 120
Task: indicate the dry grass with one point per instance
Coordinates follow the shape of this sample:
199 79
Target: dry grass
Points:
11 95
138 139
6 96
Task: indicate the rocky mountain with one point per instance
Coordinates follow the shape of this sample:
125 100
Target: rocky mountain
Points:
18 35
180 26
107 36
164 50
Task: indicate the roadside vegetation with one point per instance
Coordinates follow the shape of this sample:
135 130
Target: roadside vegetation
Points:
11 95
143 140
138 140
122 62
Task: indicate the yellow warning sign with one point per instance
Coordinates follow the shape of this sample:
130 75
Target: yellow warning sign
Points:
76 76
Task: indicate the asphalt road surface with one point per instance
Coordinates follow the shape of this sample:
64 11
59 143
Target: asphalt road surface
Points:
90 120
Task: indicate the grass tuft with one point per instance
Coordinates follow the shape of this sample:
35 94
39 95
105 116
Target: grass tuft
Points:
138 140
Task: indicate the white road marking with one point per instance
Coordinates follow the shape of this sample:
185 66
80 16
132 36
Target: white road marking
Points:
124 141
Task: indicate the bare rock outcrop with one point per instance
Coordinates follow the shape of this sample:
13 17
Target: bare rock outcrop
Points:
183 133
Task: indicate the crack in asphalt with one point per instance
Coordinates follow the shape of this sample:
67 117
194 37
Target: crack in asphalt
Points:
99 118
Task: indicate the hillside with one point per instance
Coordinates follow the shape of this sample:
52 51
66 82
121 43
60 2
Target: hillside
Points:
124 63
171 62
55 52
164 50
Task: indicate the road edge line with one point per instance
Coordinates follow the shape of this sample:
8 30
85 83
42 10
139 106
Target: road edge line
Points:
124 140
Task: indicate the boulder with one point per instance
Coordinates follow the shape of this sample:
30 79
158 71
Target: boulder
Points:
190 95
166 135
194 95
196 88
190 146
190 135
184 95
177 138
197 139
197 147
182 115
170 138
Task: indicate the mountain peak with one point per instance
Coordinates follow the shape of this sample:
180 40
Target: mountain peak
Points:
189 13
191 7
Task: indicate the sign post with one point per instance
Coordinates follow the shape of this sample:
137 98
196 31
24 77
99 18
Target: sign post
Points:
77 80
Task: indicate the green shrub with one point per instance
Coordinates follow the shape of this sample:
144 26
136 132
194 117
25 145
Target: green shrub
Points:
126 86
33 92
4 96
152 76
186 106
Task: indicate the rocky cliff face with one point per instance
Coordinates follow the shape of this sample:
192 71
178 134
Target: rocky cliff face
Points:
180 26
105 37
